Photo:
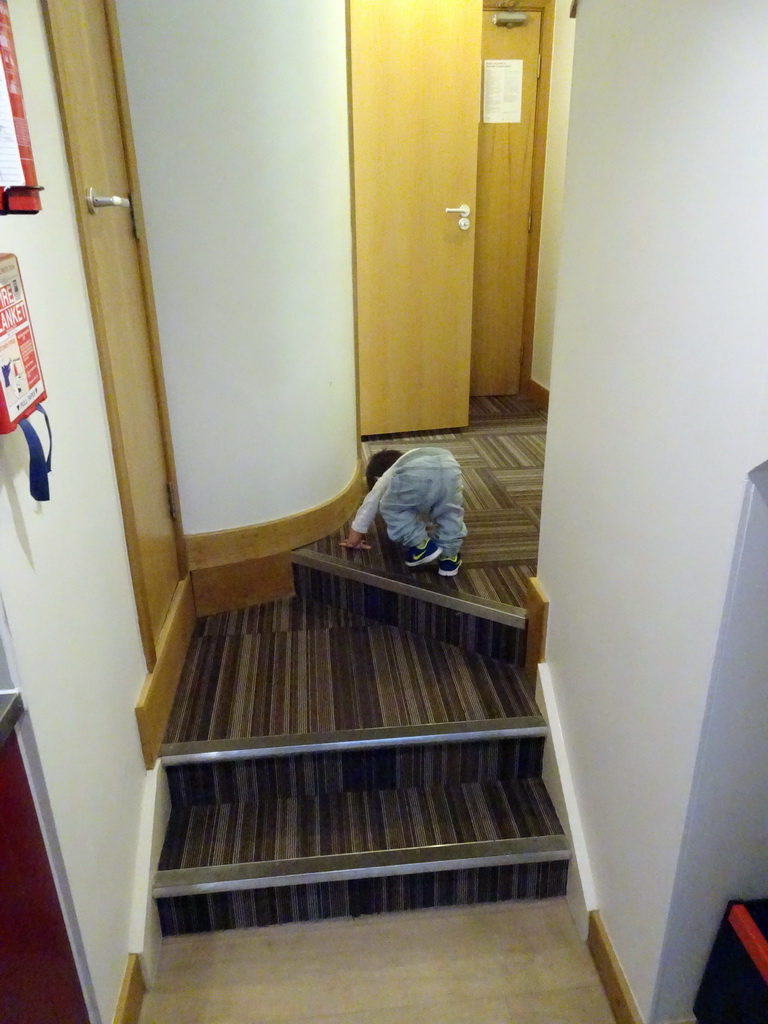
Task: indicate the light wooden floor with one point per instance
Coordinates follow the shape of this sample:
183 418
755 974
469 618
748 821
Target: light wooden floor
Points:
513 963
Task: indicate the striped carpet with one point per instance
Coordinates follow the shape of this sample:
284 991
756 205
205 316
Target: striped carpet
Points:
356 822
372 659
462 629
501 453
345 771
321 901
286 615
296 683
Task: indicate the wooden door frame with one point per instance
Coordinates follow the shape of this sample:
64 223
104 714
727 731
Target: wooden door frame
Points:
352 216
149 642
547 10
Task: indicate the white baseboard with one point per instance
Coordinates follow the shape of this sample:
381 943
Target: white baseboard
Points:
145 934
558 780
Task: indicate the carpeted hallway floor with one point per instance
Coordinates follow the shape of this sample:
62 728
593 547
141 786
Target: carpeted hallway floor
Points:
501 453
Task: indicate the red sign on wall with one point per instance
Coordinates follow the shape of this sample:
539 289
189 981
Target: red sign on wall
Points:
21 381
19 192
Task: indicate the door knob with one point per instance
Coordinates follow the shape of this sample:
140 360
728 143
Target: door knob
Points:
95 202
462 210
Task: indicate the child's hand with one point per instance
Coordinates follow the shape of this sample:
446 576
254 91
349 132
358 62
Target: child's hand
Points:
355 541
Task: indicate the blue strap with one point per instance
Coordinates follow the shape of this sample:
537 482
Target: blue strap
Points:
39 465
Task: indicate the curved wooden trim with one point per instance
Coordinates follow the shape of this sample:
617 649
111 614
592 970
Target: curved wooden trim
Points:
226 547
242 584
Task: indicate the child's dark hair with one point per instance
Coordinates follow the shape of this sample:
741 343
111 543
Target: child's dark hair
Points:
379 463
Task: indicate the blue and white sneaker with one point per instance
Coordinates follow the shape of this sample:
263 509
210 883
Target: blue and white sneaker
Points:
449 566
423 553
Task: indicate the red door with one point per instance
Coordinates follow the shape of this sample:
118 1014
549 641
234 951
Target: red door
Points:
38 977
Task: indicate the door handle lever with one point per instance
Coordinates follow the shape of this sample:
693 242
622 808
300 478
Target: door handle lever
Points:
95 202
462 210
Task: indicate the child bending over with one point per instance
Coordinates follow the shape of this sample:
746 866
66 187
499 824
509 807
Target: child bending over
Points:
424 483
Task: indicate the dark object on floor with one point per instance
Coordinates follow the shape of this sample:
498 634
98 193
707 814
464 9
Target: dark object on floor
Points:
734 989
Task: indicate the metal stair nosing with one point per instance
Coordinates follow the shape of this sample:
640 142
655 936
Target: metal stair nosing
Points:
480 607
247 748
348 866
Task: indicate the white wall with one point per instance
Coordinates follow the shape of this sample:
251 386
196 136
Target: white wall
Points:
240 122
146 933
558 778
724 849
659 371
554 177
64 574
6 681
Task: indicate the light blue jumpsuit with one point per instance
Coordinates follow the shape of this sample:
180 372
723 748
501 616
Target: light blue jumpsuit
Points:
424 483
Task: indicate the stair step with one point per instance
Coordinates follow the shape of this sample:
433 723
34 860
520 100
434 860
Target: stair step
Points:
342 867
290 904
416 603
270 693
343 771
288 614
254 747
420 584
344 836
371 745
499 555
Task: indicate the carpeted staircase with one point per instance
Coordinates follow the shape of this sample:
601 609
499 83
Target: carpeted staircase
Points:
370 745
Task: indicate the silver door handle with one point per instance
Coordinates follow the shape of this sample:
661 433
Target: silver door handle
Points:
95 202
462 210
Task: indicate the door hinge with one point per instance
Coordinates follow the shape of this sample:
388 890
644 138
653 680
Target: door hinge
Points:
538 68
134 222
172 501
530 220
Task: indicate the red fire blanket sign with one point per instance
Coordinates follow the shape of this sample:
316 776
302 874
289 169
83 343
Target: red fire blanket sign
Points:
22 382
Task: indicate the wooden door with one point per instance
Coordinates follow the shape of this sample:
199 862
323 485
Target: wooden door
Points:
415 74
505 159
85 53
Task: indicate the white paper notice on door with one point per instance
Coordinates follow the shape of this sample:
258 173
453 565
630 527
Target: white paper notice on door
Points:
11 171
503 92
